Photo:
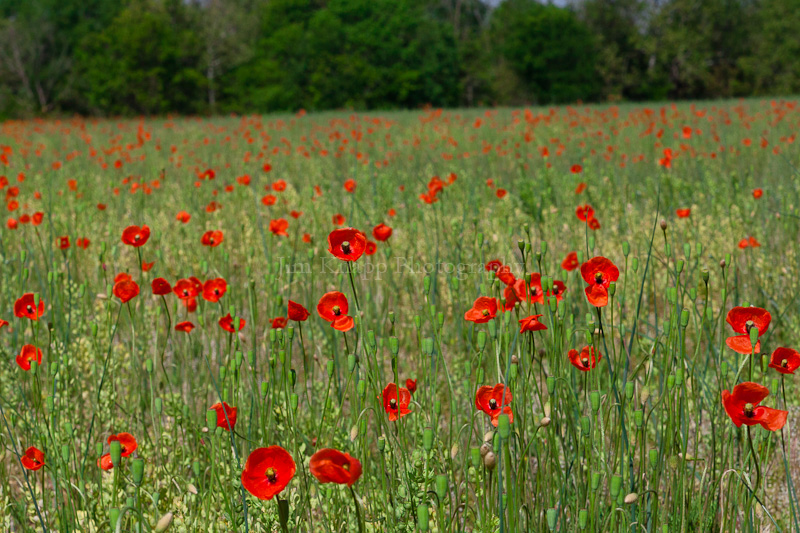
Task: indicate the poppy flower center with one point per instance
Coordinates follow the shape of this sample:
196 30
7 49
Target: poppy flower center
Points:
393 403
749 324
585 362
216 291
30 309
337 310
785 363
555 290
748 410
137 237
185 292
346 466
493 404
598 277
271 474
211 240
485 312
346 247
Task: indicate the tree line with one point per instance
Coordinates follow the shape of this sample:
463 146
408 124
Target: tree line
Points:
126 57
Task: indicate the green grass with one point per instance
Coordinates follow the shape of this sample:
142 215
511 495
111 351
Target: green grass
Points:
641 442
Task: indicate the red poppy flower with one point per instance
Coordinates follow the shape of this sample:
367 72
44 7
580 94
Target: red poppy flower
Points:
744 243
753 242
184 326
411 385
122 276
25 307
183 217
135 236
267 471
584 212
531 323
593 224
382 232
483 310
580 188
576 169
297 312
504 274
296 214
493 265
228 410
12 223
127 443
33 459
599 273
332 466
742 320
212 238
306 238
37 218
279 322
558 290
338 219
785 360
105 462
758 193
160 287
586 360
63 242
82 243
683 213
226 323
3 323
29 353
371 248
214 289
126 290
190 304
350 185
279 186
186 289
570 262
279 227
494 401
742 406
391 395
347 244
501 193
333 307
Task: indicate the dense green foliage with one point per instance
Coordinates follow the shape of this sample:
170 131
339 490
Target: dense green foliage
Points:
209 56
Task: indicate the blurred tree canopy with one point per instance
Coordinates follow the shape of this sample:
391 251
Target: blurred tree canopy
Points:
125 57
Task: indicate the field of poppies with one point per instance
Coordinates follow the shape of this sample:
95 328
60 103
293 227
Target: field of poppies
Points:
569 319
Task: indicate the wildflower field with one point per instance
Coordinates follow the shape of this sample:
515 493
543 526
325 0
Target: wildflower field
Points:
570 319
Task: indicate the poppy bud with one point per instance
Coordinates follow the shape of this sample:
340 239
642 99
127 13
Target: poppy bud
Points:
158 406
629 390
722 264
687 250
148 366
381 443
638 418
631 498
422 517
586 426
294 399
595 480
486 447
490 460
137 471
437 407
475 456
479 374
612 288
427 439
545 421
163 523
394 345
551 384
264 389
653 457
441 486
362 388
594 400
693 294
579 253
351 362
583 518
663 225
479 238
330 368
51 402
753 336
679 266
616 484
512 372
503 426
467 368
670 381
591 242
211 418
552 518
427 345
113 516
116 452
723 368
521 246
196 468
481 340
679 373
426 285
94 330
99 448
492 329
223 371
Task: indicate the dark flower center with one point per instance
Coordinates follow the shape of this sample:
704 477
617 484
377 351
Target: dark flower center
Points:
216 291
137 237
598 277
493 404
393 403
346 247
585 362
336 310
30 309
748 325
271 474
485 312
785 363
748 410
185 292
346 466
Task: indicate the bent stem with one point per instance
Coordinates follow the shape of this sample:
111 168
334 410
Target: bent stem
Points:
758 471
358 510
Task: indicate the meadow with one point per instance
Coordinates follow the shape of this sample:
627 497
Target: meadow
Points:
549 319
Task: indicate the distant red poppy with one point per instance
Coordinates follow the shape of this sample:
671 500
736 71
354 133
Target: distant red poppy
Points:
296 214
3 323
127 446
33 459
494 401
753 242
381 232
184 326
785 360
350 185
82 243
504 274
135 236
576 169
226 323
744 243
214 289
558 290
269 199
146 267
742 320
222 410
586 360
584 212
37 218
29 353
63 242
580 188
332 466
267 471
411 385
599 273
758 193
338 219
371 248
501 193
570 262
160 287
212 238
593 224
683 213
390 396
186 289
25 307
278 227
493 265
279 186
742 407
333 308
183 216
483 310
347 244
297 312
126 290
279 322
531 323
122 276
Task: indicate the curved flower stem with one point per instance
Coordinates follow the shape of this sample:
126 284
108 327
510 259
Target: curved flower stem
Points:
358 510
758 470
